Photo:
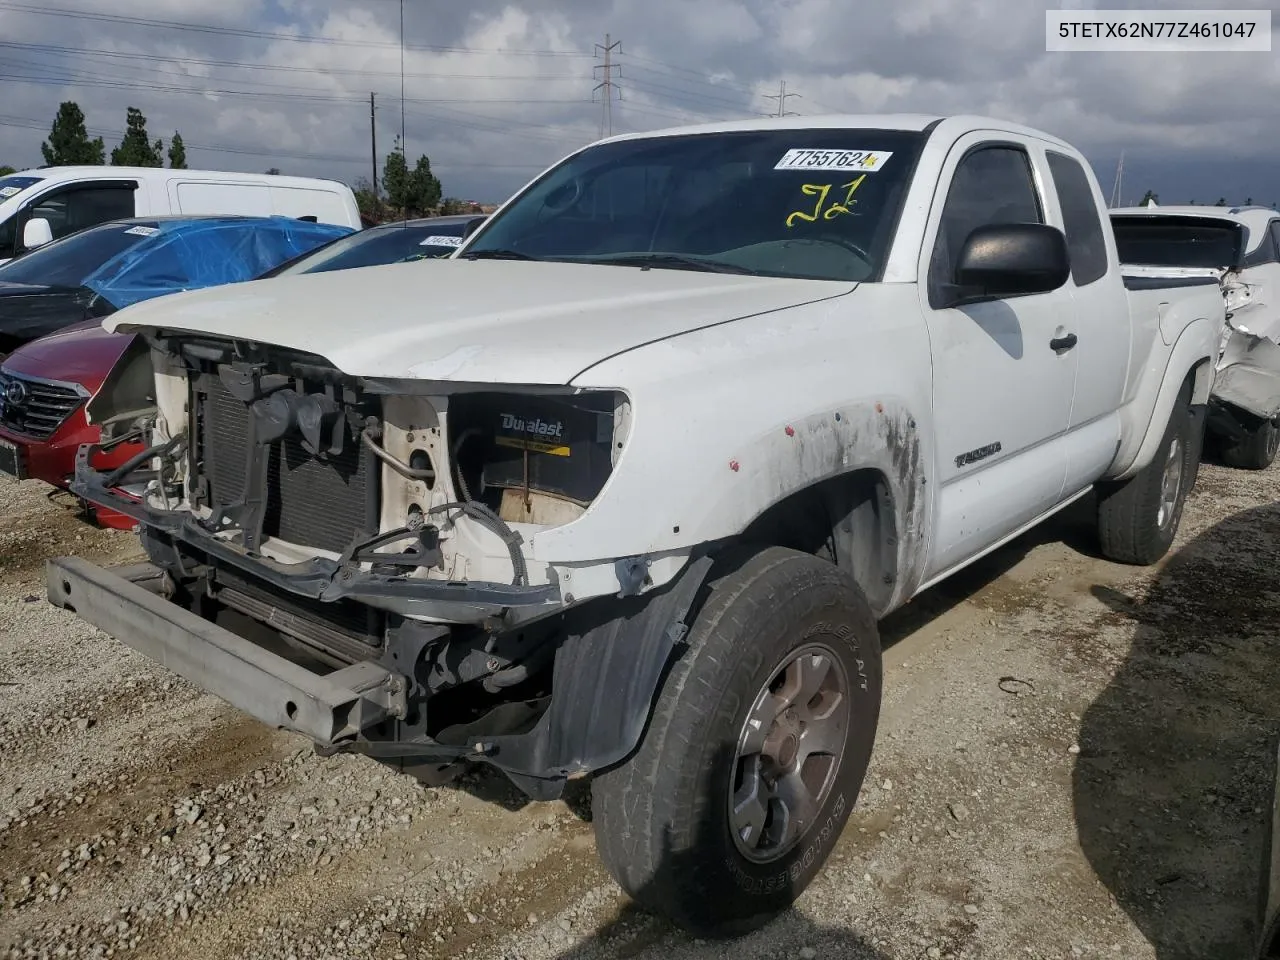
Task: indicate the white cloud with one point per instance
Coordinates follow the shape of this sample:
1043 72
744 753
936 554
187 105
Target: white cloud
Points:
490 119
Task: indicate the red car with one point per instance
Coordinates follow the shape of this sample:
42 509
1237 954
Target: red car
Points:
43 391
46 383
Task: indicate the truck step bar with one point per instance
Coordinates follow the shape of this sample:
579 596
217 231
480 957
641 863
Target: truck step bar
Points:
329 708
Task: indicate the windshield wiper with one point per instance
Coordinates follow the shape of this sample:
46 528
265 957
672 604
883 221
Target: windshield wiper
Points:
674 261
496 255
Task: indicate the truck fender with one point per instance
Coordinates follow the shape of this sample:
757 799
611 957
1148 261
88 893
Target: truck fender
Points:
604 683
1191 354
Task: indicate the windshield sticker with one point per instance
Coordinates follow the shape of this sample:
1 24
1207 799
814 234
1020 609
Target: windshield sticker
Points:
870 160
440 241
7 192
821 209
143 231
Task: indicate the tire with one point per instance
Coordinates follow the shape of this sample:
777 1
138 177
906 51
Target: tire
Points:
1257 449
662 818
1138 517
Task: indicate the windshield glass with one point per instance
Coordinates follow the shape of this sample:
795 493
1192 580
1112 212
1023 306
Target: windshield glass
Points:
1177 242
11 187
14 185
811 203
69 261
380 245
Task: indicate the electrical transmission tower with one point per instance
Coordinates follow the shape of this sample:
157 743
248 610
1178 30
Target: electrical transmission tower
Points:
606 85
781 97
1115 187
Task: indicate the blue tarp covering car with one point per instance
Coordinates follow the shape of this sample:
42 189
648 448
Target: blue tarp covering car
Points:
108 267
187 254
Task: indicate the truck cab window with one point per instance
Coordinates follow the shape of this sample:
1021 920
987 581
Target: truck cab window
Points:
1085 240
991 185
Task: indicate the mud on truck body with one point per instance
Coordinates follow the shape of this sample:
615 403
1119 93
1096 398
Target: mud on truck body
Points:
621 489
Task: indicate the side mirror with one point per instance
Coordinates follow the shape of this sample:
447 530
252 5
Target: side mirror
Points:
36 233
1012 259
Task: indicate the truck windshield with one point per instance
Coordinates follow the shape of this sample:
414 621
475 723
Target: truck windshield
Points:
817 204
11 186
1167 241
69 261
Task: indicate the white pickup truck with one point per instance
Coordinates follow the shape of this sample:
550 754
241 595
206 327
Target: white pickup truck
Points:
621 489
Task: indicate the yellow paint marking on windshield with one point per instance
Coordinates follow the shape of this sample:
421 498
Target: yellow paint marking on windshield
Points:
821 190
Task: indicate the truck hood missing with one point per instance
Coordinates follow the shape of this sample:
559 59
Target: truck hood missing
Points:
484 321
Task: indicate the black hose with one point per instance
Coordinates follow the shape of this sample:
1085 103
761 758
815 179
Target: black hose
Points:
126 468
483 515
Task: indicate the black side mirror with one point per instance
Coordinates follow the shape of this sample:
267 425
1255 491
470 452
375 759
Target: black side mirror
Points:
1012 259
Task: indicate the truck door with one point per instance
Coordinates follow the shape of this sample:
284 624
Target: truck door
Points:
1002 378
1101 323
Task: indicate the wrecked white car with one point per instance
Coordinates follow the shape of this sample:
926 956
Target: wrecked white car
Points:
621 489
1240 248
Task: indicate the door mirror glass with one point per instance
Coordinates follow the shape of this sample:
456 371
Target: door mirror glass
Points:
1010 260
36 233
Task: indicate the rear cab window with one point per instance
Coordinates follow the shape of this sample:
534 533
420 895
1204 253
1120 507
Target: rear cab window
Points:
1086 243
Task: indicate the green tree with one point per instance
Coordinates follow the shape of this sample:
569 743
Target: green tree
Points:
366 200
1248 201
69 143
1222 202
395 180
177 152
136 150
1149 196
6 170
424 188
272 171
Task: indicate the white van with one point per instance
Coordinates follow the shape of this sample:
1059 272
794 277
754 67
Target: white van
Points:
37 206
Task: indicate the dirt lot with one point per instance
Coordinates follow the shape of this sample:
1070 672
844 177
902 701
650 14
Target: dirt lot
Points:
1073 761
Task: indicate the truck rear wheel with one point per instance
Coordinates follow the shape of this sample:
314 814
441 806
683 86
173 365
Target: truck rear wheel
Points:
1257 449
755 752
1138 517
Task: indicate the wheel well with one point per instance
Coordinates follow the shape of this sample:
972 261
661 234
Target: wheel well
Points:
1203 383
848 520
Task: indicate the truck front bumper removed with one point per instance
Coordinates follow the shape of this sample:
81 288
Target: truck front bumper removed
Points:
329 708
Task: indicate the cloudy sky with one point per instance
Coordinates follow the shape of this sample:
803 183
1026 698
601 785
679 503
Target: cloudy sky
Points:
497 89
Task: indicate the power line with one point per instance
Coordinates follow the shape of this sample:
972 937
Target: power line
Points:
781 97
178 25
257 95
607 85
272 67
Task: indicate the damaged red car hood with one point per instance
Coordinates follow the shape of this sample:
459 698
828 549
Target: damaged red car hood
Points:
483 321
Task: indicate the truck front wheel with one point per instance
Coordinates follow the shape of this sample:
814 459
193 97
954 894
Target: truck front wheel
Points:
755 751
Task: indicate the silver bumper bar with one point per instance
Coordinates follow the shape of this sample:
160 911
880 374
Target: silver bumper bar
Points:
328 708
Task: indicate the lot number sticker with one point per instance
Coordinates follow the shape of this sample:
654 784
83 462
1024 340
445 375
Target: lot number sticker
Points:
866 160
7 192
440 241
143 231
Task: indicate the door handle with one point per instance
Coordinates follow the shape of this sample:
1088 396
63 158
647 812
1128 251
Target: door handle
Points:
1063 343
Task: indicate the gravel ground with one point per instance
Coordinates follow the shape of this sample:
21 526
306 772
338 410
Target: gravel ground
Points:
1074 761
